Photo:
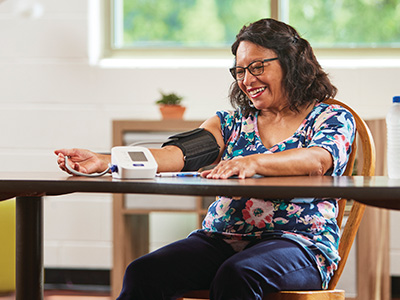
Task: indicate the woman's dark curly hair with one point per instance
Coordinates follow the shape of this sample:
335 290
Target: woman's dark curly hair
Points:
304 80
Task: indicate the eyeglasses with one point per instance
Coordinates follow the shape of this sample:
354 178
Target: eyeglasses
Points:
256 68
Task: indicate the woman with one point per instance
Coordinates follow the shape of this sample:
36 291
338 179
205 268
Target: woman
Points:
249 247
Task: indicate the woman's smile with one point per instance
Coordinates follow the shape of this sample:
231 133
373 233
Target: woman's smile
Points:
256 92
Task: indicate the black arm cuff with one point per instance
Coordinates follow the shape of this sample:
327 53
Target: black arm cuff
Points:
199 148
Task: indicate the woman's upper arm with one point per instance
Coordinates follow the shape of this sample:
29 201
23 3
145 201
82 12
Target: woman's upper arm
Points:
171 158
335 134
213 125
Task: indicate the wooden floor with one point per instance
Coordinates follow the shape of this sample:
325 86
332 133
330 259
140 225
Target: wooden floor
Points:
65 295
71 295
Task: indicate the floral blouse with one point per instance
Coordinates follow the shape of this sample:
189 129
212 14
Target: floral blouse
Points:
308 221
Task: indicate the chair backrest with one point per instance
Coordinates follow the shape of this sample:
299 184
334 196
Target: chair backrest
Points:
366 159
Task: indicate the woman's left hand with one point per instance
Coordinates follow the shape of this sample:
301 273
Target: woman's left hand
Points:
242 167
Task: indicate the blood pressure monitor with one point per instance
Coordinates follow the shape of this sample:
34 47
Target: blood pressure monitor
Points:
133 163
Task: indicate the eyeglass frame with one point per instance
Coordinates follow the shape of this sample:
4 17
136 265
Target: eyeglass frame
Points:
233 69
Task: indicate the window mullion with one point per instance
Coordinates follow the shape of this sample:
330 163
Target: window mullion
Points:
118 24
275 9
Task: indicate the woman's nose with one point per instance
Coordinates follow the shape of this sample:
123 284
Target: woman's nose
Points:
248 77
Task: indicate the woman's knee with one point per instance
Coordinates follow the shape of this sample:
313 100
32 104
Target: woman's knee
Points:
134 269
139 281
235 280
140 271
233 274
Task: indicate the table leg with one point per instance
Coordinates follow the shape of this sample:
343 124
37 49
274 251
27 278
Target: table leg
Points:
29 248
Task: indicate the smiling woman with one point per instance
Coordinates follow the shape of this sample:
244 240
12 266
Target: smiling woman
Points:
279 126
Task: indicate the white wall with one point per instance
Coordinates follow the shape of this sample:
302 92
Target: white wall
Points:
50 97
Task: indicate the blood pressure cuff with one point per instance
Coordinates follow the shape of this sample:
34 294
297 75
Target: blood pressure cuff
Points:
199 148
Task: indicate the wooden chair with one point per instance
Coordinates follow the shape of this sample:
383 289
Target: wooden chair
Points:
367 163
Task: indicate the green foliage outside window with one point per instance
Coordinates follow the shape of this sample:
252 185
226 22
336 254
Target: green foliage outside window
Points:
214 23
347 23
188 23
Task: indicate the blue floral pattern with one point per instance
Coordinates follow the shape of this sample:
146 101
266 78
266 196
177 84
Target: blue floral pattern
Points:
311 222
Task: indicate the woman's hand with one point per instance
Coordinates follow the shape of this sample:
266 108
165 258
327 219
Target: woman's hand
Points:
243 167
82 160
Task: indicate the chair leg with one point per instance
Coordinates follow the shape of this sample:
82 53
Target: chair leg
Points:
307 295
284 295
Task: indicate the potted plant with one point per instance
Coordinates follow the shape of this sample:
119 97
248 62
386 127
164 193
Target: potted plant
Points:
170 106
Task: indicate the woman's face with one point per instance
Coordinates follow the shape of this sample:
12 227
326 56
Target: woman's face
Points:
265 91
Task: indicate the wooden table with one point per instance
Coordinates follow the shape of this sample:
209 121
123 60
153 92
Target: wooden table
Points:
29 189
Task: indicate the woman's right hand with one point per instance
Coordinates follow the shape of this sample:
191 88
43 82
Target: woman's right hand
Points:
82 160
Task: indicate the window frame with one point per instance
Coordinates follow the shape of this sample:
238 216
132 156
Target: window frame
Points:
214 57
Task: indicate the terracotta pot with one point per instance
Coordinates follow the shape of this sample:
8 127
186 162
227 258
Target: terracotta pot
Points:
172 111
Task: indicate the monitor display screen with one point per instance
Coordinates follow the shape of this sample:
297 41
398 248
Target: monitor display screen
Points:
137 156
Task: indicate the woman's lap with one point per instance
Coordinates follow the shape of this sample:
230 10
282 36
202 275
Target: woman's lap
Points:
265 267
200 262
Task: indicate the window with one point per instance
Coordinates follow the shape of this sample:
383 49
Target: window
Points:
168 28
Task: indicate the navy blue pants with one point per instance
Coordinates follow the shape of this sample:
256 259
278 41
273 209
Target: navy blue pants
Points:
200 262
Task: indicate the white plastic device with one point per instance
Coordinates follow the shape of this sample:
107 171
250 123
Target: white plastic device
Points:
132 163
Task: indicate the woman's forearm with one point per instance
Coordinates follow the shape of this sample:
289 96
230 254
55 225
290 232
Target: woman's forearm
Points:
169 159
302 161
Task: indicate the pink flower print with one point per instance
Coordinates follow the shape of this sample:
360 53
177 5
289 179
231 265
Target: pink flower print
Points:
222 206
293 209
340 138
317 224
258 212
307 219
326 209
208 222
248 127
331 268
320 260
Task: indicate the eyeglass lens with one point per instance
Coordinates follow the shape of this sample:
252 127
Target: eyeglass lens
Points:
255 68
